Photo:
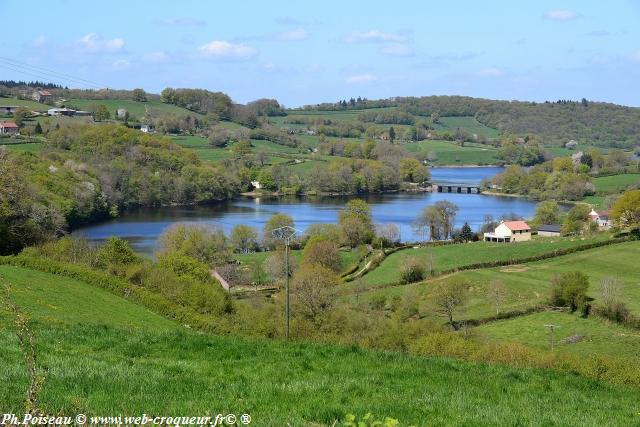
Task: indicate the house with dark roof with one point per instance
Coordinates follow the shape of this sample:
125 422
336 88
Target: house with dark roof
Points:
549 230
509 232
8 128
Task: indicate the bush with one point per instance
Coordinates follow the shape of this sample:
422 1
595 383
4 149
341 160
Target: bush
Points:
116 251
412 270
570 290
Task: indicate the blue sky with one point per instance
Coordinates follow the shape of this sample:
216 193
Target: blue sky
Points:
308 52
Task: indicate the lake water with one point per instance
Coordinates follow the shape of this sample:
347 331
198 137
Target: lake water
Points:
143 226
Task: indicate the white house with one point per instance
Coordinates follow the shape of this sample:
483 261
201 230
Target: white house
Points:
146 128
256 185
509 231
601 218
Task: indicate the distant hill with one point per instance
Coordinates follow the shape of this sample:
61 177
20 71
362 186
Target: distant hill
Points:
588 122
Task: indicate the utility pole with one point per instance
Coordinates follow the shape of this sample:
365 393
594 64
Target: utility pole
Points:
552 330
285 233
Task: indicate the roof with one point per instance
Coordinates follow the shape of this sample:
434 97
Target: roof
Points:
44 92
8 124
517 225
553 228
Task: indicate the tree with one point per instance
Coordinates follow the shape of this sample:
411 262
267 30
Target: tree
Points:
428 221
244 238
392 134
205 243
355 221
100 112
570 290
466 234
447 212
116 251
276 221
626 210
412 170
496 293
547 212
331 232
313 292
242 148
435 117
262 158
139 95
448 297
388 234
38 128
319 250
20 116
576 219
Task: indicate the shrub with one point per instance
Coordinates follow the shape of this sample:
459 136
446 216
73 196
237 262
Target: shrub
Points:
116 251
570 290
412 270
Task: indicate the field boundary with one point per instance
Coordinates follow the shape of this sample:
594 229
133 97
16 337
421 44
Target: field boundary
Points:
500 263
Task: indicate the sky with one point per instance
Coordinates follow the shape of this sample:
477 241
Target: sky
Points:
302 52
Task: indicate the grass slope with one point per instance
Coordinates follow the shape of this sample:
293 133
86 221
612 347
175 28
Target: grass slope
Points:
136 109
105 365
599 336
448 153
616 183
528 285
451 256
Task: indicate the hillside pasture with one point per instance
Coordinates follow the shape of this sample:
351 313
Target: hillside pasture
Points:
136 109
616 183
89 358
449 153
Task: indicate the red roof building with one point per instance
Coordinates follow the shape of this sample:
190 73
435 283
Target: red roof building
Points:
8 128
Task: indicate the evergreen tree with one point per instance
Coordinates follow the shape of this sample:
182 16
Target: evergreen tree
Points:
466 234
38 128
392 134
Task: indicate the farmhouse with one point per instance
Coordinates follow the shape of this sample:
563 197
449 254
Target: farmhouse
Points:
601 218
509 232
549 230
43 96
9 128
146 128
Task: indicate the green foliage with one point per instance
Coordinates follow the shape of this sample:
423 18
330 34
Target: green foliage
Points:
185 266
139 95
199 100
547 212
369 420
570 290
203 243
412 270
320 250
626 210
116 251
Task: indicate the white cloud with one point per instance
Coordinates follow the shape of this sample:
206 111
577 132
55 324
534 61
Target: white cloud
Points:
561 15
373 36
158 56
182 22
293 35
120 64
92 42
396 49
225 49
361 79
491 72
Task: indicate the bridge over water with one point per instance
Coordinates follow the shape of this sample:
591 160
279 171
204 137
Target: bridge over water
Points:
461 188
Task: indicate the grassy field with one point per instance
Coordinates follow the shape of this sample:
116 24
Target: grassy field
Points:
31 147
451 256
448 153
32 105
616 183
99 354
599 336
204 151
136 109
528 285
468 124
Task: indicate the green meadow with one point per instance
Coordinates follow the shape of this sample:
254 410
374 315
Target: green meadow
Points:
136 109
99 354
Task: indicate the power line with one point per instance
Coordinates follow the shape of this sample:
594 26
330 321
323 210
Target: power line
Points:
46 72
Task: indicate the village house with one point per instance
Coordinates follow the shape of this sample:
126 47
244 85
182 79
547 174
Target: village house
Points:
60 112
549 230
8 109
509 232
601 218
146 128
8 128
43 96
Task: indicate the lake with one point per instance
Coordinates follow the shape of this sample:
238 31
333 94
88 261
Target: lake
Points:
142 227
